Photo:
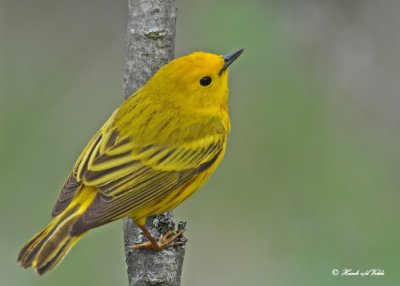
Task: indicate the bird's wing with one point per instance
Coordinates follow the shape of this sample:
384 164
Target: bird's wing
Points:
73 184
129 176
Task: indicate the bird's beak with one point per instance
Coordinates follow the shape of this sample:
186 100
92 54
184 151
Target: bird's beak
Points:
229 59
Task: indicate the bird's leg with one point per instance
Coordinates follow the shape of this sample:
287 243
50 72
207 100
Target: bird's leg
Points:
164 241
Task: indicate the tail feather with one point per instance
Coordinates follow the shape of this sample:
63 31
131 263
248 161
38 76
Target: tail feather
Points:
51 245
57 256
28 252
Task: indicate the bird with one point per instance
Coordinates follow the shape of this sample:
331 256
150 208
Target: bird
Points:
158 148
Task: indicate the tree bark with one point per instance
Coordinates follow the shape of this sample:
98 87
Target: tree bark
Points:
150 43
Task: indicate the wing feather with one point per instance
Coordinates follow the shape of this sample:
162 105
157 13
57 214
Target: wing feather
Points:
129 175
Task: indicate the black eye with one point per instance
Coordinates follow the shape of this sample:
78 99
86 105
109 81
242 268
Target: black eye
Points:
205 81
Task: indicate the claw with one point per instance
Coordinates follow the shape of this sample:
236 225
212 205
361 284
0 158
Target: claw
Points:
163 242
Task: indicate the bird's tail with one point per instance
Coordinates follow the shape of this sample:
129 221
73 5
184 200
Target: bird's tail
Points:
44 251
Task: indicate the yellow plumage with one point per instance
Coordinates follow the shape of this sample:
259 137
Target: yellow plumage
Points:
159 147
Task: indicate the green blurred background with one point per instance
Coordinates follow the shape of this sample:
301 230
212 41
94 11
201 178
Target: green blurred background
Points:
310 181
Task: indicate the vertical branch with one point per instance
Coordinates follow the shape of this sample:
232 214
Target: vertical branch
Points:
150 40
150 44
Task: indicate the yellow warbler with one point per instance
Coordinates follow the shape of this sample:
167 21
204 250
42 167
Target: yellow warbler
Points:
159 147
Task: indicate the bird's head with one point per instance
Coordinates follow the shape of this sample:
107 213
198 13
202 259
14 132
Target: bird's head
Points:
197 82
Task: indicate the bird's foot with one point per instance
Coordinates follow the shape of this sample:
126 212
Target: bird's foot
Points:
170 234
165 240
